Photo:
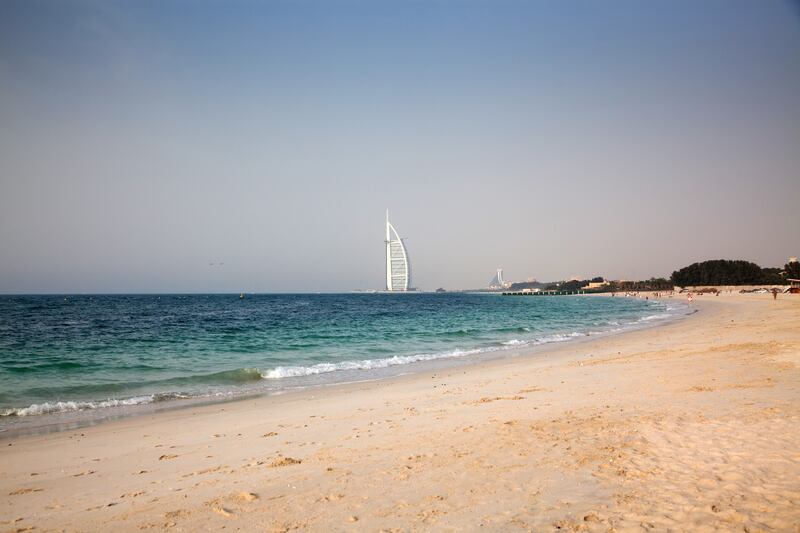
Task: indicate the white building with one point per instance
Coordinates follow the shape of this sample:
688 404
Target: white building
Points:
398 268
497 281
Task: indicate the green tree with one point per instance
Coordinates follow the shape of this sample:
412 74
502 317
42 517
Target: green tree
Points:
726 272
792 270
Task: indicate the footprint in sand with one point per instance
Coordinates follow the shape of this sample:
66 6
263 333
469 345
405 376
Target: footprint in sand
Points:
247 496
23 491
167 457
486 399
700 388
285 461
331 498
205 471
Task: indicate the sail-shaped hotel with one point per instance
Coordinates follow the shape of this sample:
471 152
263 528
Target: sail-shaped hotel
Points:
398 267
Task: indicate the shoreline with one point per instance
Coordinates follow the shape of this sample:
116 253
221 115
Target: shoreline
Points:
690 425
72 419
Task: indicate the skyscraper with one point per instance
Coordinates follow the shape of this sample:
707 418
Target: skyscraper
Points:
398 268
497 280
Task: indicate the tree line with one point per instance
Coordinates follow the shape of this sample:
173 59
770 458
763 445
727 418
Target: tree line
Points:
714 272
733 272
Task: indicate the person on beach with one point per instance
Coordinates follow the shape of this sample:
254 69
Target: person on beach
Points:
774 293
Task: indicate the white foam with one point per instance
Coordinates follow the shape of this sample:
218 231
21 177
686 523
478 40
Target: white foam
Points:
371 364
47 408
365 364
65 407
513 342
654 317
559 337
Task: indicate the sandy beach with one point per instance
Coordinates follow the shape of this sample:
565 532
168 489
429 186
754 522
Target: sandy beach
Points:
690 426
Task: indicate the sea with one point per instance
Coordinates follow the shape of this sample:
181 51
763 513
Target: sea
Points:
72 360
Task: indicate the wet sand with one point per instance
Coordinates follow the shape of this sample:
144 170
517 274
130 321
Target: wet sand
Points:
691 426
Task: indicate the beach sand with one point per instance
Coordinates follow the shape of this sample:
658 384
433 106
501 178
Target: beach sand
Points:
690 426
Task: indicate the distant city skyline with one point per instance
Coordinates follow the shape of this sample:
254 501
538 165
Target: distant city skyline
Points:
227 147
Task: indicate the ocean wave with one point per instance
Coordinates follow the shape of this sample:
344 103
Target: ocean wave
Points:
648 318
455 333
512 329
513 342
372 364
225 377
365 364
57 365
559 337
240 375
70 406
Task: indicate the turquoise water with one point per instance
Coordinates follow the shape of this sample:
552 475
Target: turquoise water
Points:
87 353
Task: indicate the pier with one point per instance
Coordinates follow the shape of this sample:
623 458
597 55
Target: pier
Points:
542 293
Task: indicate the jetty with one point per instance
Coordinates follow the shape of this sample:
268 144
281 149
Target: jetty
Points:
542 293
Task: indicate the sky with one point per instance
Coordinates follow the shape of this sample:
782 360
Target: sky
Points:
218 146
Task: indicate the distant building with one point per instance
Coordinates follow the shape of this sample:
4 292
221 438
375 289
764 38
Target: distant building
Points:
497 281
398 267
595 285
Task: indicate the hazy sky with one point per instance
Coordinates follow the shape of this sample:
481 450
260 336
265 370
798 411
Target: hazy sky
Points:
141 141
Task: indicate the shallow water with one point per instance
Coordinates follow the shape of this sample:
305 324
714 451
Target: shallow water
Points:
83 353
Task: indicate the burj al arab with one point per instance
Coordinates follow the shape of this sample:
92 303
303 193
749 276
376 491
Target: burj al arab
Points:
398 267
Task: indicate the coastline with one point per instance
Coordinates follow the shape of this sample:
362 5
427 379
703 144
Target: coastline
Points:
705 409
53 416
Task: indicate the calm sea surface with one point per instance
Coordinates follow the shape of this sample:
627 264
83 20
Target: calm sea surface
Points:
79 354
